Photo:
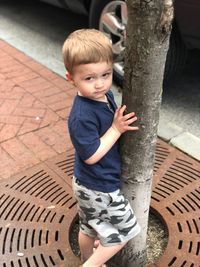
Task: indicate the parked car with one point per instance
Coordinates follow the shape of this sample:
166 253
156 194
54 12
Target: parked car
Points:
111 18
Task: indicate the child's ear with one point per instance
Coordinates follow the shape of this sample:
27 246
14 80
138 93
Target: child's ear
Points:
69 77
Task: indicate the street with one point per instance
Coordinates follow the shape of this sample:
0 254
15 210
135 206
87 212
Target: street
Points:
39 30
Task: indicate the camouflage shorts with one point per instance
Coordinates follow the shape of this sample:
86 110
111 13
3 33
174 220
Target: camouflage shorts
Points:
107 216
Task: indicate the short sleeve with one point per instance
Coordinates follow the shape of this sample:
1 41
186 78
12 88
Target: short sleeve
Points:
85 137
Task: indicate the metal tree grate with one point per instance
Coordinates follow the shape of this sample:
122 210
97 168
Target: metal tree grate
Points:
37 211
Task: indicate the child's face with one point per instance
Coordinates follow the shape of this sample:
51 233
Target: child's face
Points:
92 80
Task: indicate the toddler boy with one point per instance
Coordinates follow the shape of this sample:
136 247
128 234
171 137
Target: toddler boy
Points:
95 126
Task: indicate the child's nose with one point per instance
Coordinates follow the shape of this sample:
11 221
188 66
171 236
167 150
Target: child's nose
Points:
99 83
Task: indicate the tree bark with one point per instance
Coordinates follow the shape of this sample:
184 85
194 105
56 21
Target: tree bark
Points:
148 30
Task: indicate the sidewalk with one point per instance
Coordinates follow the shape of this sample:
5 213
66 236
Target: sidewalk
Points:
37 206
34 104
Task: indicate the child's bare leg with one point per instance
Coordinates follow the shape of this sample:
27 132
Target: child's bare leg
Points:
102 255
86 244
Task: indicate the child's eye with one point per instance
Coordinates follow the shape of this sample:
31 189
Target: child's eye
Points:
107 74
89 78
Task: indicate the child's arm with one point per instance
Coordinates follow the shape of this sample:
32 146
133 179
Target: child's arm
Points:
121 124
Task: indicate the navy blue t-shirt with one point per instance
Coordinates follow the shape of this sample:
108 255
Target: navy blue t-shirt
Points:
88 121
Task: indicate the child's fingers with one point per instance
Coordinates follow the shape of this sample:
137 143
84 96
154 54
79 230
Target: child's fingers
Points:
130 115
131 120
122 109
132 128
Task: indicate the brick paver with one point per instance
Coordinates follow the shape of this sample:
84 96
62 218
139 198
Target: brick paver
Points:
34 105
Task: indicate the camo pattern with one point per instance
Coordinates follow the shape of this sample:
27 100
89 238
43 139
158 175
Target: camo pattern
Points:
107 216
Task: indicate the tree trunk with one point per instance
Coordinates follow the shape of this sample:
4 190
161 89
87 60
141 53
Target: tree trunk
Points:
148 29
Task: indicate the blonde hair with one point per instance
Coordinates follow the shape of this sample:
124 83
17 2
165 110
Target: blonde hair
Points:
86 46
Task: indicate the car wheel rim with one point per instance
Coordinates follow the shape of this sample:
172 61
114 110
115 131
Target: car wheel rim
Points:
113 23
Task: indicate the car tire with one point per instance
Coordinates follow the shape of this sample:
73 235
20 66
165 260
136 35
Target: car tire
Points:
96 10
176 55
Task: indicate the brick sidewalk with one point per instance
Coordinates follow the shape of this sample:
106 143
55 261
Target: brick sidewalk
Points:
34 105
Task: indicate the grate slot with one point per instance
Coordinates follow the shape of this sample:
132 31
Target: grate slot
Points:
17 209
171 185
161 190
28 263
57 194
36 262
189 227
31 180
33 239
7 207
190 247
182 205
37 186
19 239
196 191
62 199
177 207
188 203
172 261
43 260
26 239
198 249
188 172
174 173
166 187
4 201
23 181
179 227
71 206
18 182
47 236
20 263
11 240
29 212
11 209
42 212
61 218
173 180
60 254
194 201
56 236
60 194
180 245
196 226
43 190
4 241
40 238
23 211
52 261
52 218
183 264
47 215
159 194
51 191
35 214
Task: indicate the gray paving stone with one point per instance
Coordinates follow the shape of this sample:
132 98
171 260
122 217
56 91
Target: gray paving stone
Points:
188 143
168 131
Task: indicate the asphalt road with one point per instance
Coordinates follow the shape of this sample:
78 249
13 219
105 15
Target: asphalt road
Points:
40 29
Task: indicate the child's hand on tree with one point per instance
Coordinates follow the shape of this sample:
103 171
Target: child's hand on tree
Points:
122 123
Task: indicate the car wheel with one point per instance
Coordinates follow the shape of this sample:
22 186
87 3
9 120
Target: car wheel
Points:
176 55
110 17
